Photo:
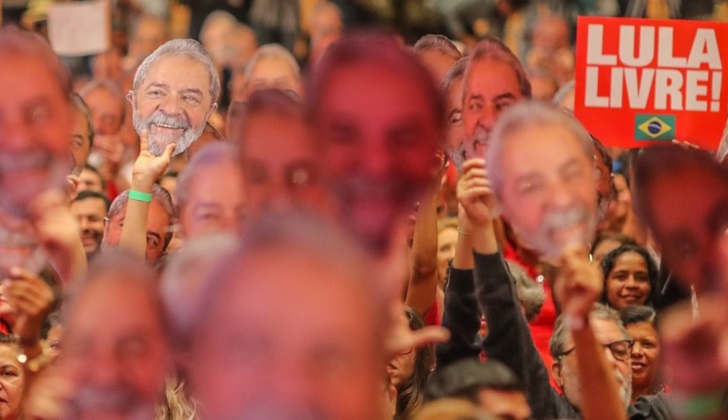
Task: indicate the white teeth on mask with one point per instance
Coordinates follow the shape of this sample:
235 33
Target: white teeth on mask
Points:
166 126
565 218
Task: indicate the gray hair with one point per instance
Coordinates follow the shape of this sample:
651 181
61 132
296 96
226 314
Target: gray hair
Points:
276 51
159 195
599 311
457 71
212 154
529 292
188 48
79 104
529 114
439 43
494 49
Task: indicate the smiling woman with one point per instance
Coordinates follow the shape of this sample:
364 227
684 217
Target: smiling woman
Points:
629 277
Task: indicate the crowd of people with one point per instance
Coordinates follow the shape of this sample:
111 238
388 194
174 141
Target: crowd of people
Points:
215 230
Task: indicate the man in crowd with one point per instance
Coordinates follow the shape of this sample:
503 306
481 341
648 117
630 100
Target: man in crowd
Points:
90 208
106 102
174 93
210 193
490 385
160 220
90 180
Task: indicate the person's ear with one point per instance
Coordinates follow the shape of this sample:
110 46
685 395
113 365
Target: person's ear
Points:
131 98
556 373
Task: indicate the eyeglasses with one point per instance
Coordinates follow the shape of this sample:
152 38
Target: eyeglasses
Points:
621 350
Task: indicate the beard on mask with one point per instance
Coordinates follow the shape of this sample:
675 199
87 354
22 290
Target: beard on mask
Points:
158 142
476 145
46 172
457 155
119 399
550 243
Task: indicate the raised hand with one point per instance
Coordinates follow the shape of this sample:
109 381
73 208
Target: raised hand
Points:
32 298
111 149
147 167
475 193
401 338
57 231
579 284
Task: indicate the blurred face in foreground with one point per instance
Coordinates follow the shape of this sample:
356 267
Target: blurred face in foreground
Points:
281 163
689 221
35 128
380 134
116 357
254 360
215 201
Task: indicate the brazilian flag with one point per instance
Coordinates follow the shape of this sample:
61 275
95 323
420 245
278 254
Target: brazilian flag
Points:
654 127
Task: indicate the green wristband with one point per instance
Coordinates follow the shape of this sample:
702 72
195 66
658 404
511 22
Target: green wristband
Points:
140 196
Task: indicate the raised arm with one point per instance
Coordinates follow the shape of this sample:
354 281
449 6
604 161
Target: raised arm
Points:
422 286
578 287
147 169
460 314
509 339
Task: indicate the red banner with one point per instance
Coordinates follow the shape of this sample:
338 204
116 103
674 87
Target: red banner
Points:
645 80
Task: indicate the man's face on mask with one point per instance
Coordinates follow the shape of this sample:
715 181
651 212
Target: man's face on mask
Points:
35 128
491 86
548 189
172 103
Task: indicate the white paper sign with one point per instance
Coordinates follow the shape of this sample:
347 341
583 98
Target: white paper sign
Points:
79 28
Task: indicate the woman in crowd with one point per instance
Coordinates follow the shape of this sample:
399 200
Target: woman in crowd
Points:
12 378
410 370
640 322
629 277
